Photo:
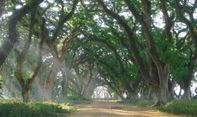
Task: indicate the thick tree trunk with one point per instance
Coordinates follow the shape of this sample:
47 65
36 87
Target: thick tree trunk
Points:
25 94
64 86
49 84
162 92
186 82
133 96
147 94
90 89
187 93
150 94
161 98
171 85
188 78
86 86
117 91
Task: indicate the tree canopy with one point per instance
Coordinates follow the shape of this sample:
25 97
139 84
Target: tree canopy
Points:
137 48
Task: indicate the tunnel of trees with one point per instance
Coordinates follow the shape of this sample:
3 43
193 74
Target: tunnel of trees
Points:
137 49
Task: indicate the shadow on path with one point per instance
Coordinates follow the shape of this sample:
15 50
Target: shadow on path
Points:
112 109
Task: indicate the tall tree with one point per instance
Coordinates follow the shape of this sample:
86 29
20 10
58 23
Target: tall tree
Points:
17 15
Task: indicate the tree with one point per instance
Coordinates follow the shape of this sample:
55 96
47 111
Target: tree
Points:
26 83
115 42
18 14
2 5
57 43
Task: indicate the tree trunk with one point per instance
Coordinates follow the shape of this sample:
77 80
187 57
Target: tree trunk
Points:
187 93
161 97
90 88
188 78
171 85
64 86
147 94
162 93
133 96
25 94
49 84
2 7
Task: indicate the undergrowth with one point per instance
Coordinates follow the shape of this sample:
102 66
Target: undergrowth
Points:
139 103
181 107
33 109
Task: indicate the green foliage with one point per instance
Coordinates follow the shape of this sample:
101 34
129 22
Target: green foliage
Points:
181 107
102 40
168 53
178 61
78 100
18 109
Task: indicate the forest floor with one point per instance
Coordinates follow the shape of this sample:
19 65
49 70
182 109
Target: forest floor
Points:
112 109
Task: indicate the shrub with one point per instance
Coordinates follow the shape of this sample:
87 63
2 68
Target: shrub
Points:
46 109
181 107
78 100
140 103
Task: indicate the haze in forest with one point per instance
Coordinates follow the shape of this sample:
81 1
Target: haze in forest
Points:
75 50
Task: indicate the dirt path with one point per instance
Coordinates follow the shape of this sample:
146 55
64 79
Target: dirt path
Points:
111 109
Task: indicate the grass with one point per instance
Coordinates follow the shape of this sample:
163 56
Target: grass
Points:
139 103
181 107
79 100
33 109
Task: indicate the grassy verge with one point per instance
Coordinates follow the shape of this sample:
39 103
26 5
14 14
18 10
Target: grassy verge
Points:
181 107
36 109
139 103
79 100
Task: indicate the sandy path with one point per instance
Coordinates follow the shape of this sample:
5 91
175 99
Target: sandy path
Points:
111 109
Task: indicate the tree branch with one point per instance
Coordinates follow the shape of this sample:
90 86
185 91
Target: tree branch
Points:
64 18
12 31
